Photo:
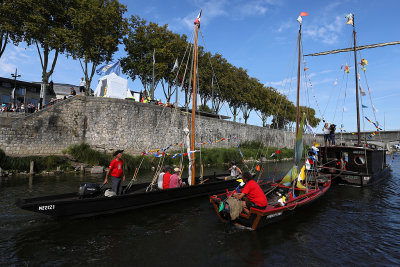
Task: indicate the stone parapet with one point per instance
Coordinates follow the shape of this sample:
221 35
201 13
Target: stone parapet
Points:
108 124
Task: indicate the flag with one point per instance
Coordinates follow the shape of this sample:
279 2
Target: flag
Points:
309 128
362 92
197 21
347 69
298 148
302 14
13 94
175 65
110 68
349 18
363 106
154 56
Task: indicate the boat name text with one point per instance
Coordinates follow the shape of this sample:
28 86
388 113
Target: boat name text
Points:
47 207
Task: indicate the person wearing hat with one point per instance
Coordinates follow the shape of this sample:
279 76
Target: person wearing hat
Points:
116 170
174 181
235 171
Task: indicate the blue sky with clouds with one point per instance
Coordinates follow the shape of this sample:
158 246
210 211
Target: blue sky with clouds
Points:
260 36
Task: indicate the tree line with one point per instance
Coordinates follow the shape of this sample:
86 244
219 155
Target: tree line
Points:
90 31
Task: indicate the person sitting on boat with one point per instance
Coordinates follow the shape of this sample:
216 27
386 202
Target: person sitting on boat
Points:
116 170
166 177
332 129
175 180
235 171
326 132
252 194
160 178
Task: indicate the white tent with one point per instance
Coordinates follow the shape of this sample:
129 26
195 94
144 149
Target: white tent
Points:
112 86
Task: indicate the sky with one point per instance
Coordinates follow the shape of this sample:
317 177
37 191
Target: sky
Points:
261 36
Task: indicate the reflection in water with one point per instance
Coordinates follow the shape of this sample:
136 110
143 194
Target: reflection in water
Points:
348 226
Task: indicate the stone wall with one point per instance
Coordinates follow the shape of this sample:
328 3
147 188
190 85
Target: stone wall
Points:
108 124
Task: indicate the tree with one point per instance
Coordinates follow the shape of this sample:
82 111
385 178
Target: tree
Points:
97 29
47 27
145 40
12 22
310 115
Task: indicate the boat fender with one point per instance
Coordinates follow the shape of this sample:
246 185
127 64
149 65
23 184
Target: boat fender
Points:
109 193
282 201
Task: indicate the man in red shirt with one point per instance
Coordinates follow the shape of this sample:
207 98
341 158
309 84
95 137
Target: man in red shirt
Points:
117 172
255 197
166 177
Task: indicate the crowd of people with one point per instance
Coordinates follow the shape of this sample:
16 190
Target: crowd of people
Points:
30 108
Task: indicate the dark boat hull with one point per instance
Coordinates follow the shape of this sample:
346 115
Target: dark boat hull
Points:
359 174
260 218
71 206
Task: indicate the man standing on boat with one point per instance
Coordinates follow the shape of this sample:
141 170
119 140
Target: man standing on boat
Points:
255 197
117 172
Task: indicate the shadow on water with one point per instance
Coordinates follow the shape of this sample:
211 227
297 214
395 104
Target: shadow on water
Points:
348 226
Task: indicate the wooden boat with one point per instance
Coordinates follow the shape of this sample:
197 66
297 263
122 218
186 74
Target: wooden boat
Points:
274 211
304 188
72 205
365 164
136 196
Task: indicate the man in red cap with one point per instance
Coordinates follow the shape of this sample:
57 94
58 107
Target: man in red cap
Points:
117 172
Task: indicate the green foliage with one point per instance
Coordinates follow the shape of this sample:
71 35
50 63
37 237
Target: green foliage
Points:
205 108
83 153
22 164
11 23
47 27
145 40
97 29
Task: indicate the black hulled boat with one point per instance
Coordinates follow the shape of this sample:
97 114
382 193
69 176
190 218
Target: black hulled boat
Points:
74 205
365 164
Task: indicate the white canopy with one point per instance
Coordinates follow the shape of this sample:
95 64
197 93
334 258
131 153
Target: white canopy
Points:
112 86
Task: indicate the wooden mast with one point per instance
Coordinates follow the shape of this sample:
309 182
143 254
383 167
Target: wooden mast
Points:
298 84
356 74
192 141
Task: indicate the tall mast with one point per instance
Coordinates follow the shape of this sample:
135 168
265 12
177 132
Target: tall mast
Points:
356 74
192 141
298 84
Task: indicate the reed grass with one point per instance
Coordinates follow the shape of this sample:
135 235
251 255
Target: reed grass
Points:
22 164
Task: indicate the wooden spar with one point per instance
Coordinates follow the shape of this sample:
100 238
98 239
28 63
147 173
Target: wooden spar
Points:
352 48
298 85
192 141
357 98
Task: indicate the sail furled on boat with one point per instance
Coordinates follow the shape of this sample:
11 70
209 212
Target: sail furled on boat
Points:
298 148
290 176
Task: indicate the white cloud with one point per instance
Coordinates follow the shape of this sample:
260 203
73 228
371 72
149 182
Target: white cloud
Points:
326 33
224 8
6 67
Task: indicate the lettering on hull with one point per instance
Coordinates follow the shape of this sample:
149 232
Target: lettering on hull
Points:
47 207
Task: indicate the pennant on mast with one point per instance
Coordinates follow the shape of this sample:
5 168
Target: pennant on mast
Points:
302 14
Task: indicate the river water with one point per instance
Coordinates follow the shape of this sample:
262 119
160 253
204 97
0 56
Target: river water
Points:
348 226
